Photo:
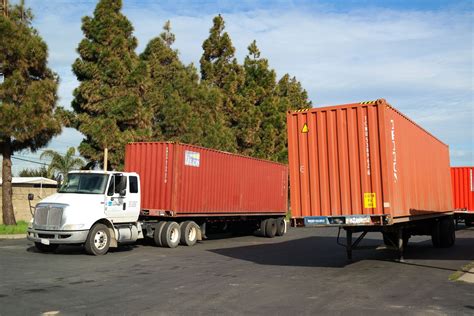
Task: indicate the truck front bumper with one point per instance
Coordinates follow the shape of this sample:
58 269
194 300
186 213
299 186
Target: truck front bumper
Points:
57 237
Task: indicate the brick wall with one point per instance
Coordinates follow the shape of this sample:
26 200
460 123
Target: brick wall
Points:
20 200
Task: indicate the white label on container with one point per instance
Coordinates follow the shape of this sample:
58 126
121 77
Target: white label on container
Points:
394 152
191 158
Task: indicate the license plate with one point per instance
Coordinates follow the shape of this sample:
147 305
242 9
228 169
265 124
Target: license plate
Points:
45 241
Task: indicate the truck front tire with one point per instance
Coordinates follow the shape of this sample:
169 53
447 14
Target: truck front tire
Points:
45 248
98 240
171 235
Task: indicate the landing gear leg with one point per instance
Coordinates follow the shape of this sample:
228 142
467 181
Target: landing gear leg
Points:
400 245
349 244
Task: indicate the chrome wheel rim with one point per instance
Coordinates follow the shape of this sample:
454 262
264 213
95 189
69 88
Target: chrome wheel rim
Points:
192 234
100 240
174 235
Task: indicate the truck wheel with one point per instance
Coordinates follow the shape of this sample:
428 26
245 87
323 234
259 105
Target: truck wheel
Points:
45 248
447 232
261 231
435 235
98 240
189 233
280 226
170 235
270 228
157 233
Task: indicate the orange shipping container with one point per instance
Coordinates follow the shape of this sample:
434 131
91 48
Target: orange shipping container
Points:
463 188
185 180
354 160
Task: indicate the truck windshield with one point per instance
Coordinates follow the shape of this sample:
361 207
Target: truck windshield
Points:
87 183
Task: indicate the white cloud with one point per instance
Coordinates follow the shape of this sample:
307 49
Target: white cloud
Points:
421 62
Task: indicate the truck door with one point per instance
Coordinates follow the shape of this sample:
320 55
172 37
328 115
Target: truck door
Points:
133 206
116 200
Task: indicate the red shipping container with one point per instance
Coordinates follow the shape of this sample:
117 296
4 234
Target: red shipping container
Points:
365 159
463 188
185 180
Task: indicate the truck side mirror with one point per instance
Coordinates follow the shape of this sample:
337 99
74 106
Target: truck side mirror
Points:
31 196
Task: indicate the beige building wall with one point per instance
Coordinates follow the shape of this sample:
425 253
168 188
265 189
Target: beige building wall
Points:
21 207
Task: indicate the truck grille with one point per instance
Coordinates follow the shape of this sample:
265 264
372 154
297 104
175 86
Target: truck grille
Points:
48 217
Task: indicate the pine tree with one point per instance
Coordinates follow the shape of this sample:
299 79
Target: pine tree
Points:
292 96
219 68
28 95
182 107
108 101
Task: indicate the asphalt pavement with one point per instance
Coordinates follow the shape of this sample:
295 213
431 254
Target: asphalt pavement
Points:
302 273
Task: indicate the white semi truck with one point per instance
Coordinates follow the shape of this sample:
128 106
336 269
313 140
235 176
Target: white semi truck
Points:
163 195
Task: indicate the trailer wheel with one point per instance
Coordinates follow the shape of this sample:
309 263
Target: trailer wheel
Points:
468 222
261 231
98 240
270 227
280 226
447 232
170 235
46 248
157 233
435 235
189 233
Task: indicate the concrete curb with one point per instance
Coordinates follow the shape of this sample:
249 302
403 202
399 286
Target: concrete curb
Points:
13 236
467 277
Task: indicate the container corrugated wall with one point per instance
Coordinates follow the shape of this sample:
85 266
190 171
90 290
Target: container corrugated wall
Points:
191 180
364 159
463 187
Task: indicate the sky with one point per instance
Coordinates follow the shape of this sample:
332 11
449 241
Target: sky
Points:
416 54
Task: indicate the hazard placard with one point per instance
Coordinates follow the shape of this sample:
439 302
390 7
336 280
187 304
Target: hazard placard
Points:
369 200
305 128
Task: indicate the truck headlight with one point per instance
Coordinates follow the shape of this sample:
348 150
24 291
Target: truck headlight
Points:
73 226
30 223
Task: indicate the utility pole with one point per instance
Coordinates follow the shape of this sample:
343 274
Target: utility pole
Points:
106 152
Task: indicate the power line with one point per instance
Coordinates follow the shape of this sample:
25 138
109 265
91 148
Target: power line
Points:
36 162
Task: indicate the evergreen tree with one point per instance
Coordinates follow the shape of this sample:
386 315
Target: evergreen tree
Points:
28 95
219 68
108 101
40 172
183 109
292 96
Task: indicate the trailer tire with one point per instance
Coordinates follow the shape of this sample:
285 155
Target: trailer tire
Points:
281 226
270 227
170 236
261 232
98 240
46 248
189 233
468 222
447 232
435 235
157 233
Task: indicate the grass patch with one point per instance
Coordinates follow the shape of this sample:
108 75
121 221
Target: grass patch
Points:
456 275
19 228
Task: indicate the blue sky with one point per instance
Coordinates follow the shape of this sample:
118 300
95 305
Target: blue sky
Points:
416 54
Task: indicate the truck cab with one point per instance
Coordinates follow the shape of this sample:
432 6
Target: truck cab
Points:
96 208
